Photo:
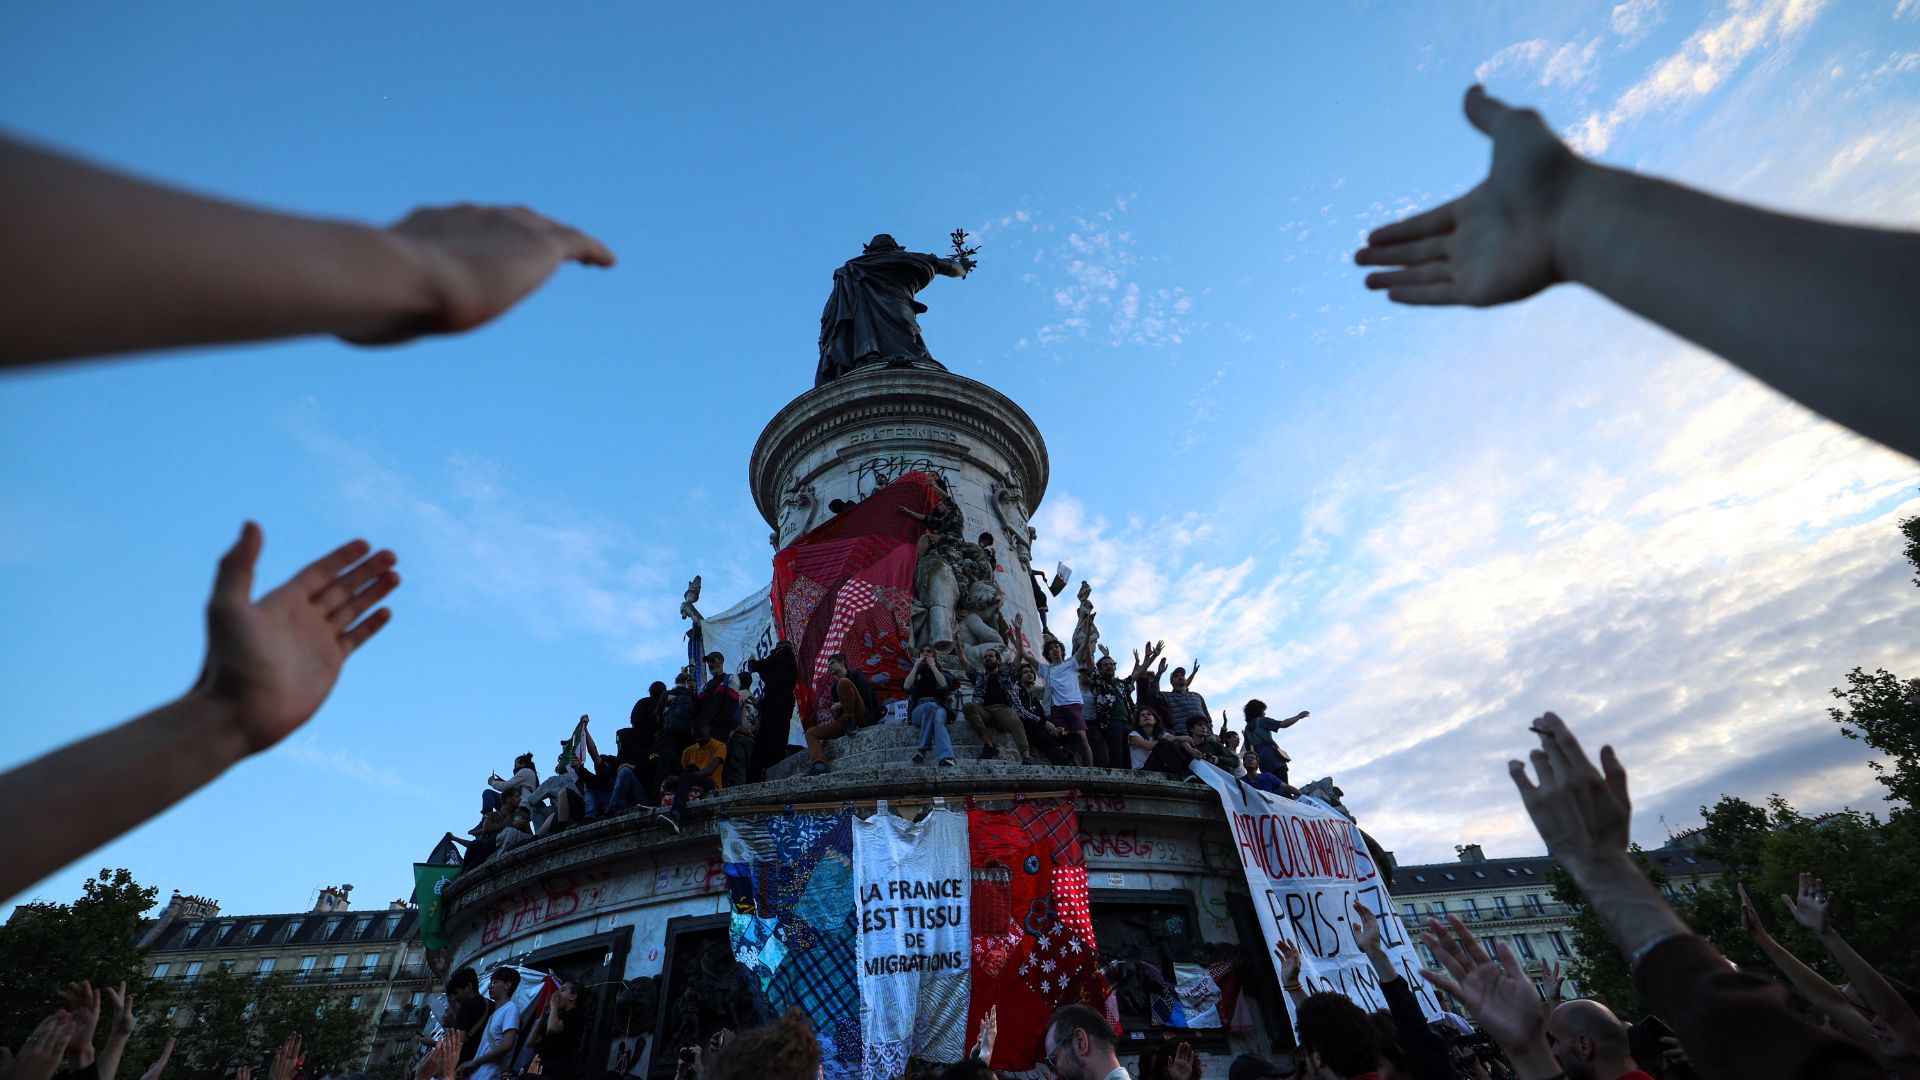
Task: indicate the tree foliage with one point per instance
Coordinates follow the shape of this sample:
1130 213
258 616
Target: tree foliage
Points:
241 1019
44 946
1883 711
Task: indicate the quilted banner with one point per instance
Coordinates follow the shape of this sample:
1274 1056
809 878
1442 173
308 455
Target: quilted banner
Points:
1033 947
915 942
847 586
790 880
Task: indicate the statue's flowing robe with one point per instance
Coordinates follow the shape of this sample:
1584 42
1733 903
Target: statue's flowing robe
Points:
872 317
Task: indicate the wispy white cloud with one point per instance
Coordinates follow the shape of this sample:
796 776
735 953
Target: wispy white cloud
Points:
1564 65
307 750
1702 64
1634 19
473 541
1093 275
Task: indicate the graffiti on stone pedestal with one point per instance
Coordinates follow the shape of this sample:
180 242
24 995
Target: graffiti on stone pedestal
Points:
877 472
554 897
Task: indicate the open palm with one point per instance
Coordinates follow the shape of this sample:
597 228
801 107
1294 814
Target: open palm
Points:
1497 992
1493 245
274 660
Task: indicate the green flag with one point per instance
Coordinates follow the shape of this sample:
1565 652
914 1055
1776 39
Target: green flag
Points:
428 880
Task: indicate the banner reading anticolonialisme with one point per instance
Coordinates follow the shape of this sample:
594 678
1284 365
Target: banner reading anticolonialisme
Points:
790 878
1306 866
916 940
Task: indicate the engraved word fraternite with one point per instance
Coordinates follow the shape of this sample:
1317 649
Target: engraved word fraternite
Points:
872 317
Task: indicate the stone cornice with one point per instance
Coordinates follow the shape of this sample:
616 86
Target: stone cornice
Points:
879 394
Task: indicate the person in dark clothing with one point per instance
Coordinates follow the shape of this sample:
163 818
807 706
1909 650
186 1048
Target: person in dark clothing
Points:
1112 717
718 702
739 768
1427 1054
466 1011
676 731
779 673
556 1036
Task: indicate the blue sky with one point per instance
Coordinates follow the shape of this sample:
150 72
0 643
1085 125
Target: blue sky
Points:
1425 526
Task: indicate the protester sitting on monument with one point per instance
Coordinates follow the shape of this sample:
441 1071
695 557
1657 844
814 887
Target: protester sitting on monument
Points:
1206 747
1264 780
1112 718
1260 728
1146 737
501 829
525 777
1231 740
997 704
928 689
1081 1045
944 521
1732 1023
740 752
1822 312
1336 1039
700 769
1182 704
846 712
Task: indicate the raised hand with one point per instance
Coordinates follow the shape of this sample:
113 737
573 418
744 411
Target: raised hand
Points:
1289 956
160 1063
1497 992
1182 1066
1498 242
1581 812
121 1003
1107 654
44 1048
273 661
1813 907
82 1001
1366 928
450 1048
286 1060
480 261
1749 915
989 1027
534 1067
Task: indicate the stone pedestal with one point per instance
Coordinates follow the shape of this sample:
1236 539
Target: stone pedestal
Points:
852 436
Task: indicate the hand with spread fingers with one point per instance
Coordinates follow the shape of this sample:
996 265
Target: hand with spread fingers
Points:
1496 243
82 1002
40 1055
1812 907
1582 812
286 1060
1496 991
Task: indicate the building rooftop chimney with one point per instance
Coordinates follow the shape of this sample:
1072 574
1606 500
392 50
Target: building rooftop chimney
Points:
333 898
1470 853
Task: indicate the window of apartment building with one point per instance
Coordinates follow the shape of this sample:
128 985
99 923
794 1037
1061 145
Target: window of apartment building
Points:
333 925
1409 911
1541 989
193 970
220 935
1525 945
339 963
306 964
1500 907
353 1002
417 999
253 931
1534 905
1426 954
360 927
160 970
266 966
1559 943
1440 909
1473 909
393 924
369 962
227 965
293 927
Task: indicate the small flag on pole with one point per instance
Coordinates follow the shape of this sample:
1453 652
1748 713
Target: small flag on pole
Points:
1061 573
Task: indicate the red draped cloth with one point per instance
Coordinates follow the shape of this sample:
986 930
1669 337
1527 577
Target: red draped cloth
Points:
1033 947
847 586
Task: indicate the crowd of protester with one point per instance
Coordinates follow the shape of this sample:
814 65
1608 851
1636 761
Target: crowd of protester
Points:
683 743
101 263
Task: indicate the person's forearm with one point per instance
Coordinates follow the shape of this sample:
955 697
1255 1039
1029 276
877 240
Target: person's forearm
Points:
1823 994
106 263
1885 1001
108 1063
1827 314
1631 909
110 782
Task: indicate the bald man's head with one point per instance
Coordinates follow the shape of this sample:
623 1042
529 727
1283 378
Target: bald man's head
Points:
1589 1041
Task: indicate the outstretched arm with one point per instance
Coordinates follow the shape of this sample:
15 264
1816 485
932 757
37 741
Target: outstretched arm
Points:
269 665
1823 994
100 262
1825 313
1812 908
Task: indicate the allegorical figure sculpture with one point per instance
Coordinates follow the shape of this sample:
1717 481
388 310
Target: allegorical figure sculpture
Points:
872 317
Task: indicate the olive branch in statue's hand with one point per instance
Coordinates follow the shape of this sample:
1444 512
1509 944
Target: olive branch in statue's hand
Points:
963 254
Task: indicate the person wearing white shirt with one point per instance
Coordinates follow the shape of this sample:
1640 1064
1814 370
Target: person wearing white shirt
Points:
501 1032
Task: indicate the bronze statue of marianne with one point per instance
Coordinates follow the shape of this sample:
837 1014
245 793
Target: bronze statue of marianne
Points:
872 317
